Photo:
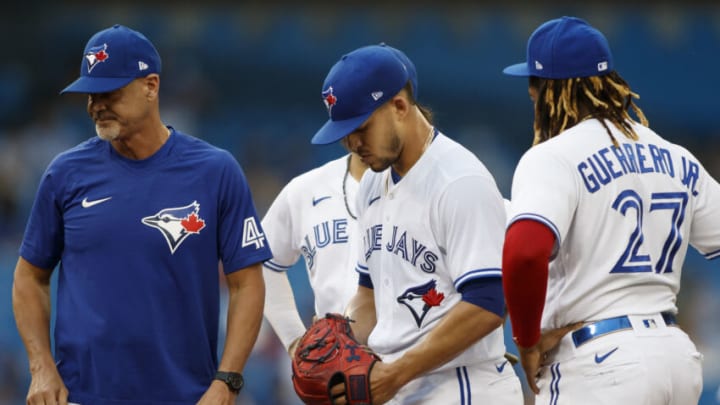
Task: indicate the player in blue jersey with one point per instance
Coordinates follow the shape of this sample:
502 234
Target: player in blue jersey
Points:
431 223
138 219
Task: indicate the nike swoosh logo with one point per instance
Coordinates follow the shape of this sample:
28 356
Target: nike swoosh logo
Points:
373 200
501 367
317 201
88 204
600 359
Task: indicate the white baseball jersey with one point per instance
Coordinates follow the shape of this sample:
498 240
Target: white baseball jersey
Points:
622 217
310 218
437 228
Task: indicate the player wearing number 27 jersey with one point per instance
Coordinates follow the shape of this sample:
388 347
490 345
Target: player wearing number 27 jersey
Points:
622 217
612 207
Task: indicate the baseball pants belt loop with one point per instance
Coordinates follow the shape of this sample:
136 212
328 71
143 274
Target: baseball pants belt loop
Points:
610 325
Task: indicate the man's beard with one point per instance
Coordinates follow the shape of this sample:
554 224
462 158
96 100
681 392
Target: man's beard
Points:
108 132
394 148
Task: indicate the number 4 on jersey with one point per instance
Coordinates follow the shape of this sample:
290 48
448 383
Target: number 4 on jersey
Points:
632 262
252 234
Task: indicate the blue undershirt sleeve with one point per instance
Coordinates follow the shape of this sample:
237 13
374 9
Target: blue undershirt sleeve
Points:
365 281
486 292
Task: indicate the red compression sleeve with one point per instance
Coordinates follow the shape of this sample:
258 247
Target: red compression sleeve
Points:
526 254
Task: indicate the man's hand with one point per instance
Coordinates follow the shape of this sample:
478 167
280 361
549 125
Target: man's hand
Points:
533 357
218 394
530 359
328 353
384 385
46 387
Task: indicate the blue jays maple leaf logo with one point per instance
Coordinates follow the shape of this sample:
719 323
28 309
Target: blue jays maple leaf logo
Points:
176 224
420 299
95 55
329 99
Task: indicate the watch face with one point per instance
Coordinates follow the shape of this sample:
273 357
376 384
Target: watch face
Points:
235 380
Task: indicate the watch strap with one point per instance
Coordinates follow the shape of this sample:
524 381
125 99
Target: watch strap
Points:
234 381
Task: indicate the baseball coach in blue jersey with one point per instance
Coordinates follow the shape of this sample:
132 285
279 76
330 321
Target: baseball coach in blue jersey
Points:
138 218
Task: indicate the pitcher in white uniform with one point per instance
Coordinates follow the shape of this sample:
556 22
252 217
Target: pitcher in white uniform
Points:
431 222
602 212
314 217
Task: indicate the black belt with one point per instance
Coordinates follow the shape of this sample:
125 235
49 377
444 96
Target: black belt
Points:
610 325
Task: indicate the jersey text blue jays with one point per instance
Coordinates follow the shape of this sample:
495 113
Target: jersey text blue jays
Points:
402 245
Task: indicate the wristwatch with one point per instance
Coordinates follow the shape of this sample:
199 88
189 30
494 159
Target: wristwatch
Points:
234 381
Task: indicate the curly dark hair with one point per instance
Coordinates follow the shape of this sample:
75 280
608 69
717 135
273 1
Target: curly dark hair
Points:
562 103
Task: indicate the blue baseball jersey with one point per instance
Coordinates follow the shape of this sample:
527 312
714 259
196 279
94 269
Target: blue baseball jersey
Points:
139 243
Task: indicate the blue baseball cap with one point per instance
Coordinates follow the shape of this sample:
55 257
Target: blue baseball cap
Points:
564 48
359 83
112 59
412 72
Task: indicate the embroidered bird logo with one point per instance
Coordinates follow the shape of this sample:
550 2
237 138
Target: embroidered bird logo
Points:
329 99
176 224
95 55
420 299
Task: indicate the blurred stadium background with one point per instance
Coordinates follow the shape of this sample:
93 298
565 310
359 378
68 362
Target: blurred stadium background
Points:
246 76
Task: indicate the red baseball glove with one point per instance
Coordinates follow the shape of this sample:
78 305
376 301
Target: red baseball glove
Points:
328 354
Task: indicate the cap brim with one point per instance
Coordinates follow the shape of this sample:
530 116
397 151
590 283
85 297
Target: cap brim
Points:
518 69
89 85
334 131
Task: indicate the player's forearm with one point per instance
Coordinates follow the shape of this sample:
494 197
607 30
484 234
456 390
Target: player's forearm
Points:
245 310
361 309
31 306
280 309
526 253
463 326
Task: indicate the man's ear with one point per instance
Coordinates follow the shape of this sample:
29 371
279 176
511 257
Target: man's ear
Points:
400 105
152 85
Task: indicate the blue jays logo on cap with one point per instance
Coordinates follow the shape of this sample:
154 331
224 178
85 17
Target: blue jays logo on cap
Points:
133 56
95 55
329 99
359 83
